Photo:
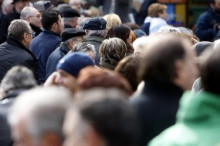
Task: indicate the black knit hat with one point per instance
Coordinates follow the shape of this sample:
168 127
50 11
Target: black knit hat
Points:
71 32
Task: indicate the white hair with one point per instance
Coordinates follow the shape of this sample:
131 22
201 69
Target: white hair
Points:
139 45
101 33
43 110
27 11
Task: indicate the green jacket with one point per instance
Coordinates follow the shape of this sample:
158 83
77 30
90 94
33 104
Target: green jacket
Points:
198 122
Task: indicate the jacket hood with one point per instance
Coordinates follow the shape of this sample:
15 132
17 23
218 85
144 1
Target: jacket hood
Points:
199 108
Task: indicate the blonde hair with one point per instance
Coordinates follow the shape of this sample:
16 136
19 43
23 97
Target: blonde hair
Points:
155 9
112 20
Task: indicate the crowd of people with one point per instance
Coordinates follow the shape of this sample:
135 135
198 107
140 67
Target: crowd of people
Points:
80 73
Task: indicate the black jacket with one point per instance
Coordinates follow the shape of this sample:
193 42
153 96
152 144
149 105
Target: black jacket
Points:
156 108
13 53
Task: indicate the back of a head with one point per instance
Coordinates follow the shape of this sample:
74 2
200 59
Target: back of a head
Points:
43 113
17 28
112 20
155 9
128 67
210 72
160 56
91 77
110 116
119 31
111 51
49 17
18 77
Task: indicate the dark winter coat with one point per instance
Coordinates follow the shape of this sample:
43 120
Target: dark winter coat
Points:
13 53
54 58
156 108
42 46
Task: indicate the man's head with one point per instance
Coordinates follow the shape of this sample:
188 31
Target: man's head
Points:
31 15
215 5
158 10
42 5
100 118
20 30
69 67
16 78
20 4
52 21
169 59
76 4
72 36
70 17
95 26
37 116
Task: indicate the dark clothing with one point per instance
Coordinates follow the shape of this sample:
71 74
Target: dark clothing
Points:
206 28
140 17
146 28
42 46
3 31
5 133
8 18
54 58
36 30
156 108
96 41
13 53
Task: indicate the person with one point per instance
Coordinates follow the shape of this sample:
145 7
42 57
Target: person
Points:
15 50
128 68
169 68
207 25
70 17
53 27
70 37
111 51
76 4
32 15
17 80
156 18
95 33
123 32
100 118
196 124
40 122
112 20
18 5
42 5
91 77
87 48
67 70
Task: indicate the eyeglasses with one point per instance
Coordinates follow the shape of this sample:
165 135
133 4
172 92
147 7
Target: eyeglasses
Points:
38 16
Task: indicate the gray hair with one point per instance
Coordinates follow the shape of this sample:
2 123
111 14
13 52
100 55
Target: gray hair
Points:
18 27
26 11
18 77
42 110
101 33
84 47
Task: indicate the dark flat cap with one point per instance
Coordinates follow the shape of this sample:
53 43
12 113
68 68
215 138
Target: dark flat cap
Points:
71 32
69 13
97 23
14 1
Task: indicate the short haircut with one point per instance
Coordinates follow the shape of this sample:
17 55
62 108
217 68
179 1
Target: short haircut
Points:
17 28
112 51
128 68
18 77
26 11
43 113
155 9
160 57
49 17
84 47
91 77
110 116
210 72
